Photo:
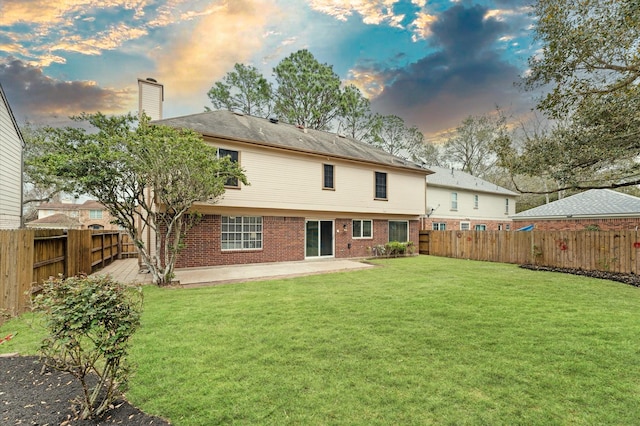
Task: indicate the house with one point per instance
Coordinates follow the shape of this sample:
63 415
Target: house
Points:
11 145
460 201
595 209
69 215
312 194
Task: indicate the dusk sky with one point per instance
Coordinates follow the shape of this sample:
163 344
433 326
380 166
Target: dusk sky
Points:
432 62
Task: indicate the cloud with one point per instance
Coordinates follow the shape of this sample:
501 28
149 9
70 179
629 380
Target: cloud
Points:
464 73
36 97
373 12
205 52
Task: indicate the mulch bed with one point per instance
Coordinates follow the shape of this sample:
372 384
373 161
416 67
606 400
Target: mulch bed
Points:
630 279
32 394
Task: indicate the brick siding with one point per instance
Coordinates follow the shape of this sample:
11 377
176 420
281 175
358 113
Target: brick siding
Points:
282 240
454 224
581 224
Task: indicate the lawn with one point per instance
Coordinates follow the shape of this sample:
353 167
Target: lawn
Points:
420 340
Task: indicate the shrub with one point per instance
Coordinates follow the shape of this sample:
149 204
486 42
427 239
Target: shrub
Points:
90 321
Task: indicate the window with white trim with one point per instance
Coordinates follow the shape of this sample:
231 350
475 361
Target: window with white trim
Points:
480 227
465 226
454 201
234 156
399 231
439 226
506 206
95 214
241 232
362 228
476 201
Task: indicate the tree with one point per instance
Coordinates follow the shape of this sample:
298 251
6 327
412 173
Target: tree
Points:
389 133
355 113
591 63
243 90
470 147
148 177
308 92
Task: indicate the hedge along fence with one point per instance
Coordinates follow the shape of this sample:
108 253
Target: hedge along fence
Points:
611 251
28 257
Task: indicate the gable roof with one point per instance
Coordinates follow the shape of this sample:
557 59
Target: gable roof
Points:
457 179
87 205
591 203
260 131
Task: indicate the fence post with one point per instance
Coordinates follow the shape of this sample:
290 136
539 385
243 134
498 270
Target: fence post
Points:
78 252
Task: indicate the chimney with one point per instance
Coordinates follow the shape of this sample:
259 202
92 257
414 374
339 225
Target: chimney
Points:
150 98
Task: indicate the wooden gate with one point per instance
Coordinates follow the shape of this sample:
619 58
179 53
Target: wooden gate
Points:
423 247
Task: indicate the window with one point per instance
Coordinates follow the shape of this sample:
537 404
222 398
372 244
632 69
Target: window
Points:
506 206
454 201
234 157
508 227
399 231
95 227
362 229
465 226
241 232
381 186
327 176
500 227
475 201
438 226
480 227
95 214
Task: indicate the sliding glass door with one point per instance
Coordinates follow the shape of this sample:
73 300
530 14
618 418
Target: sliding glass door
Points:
319 238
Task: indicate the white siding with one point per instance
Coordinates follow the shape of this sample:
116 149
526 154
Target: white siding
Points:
293 181
10 169
150 99
490 206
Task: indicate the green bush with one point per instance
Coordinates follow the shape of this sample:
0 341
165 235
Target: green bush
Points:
90 321
393 249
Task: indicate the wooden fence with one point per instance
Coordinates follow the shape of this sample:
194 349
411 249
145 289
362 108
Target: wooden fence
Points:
28 256
613 251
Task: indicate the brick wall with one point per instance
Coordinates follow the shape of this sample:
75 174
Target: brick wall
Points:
454 224
582 224
282 240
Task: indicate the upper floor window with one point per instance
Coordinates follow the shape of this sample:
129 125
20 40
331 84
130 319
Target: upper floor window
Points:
381 185
234 157
95 214
362 228
328 176
454 201
475 201
506 206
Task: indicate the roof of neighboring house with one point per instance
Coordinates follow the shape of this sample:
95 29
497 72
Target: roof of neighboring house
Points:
56 219
262 131
87 205
591 203
458 179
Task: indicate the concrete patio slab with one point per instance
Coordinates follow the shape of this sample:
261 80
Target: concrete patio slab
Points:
127 270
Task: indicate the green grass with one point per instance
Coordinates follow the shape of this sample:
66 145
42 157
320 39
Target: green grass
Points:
420 340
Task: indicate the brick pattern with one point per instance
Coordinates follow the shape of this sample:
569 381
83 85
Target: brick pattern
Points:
582 224
454 224
282 240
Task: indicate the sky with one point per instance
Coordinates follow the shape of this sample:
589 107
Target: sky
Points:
431 62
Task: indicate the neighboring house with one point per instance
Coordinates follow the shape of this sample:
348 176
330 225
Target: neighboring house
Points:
459 201
67 215
596 209
11 145
312 194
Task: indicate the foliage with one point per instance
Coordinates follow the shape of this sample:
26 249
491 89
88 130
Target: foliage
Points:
355 113
243 90
393 249
90 321
308 92
470 148
591 63
148 177
390 133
